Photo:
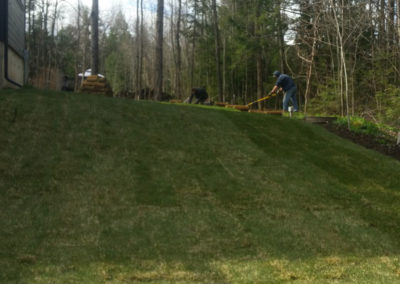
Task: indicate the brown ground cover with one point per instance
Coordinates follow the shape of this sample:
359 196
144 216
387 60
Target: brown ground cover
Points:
383 145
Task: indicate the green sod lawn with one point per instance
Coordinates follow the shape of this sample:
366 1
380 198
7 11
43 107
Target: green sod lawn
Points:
102 190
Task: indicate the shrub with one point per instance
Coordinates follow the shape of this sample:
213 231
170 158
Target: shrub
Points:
359 125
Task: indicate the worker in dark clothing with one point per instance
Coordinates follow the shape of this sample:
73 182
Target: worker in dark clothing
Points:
200 94
285 83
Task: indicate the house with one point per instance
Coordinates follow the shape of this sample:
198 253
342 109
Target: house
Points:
12 43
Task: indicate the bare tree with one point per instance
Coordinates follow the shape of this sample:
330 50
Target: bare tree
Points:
259 55
95 37
398 19
141 45
194 38
178 59
85 40
217 50
78 43
280 36
30 7
158 69
138 51
50 53
343 66
311 61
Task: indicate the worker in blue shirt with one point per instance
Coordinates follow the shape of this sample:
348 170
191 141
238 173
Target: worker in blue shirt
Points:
285 83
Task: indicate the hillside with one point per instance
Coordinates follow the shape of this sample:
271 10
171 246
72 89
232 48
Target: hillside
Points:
98 190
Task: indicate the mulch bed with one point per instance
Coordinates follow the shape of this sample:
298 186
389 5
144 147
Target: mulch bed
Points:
380 144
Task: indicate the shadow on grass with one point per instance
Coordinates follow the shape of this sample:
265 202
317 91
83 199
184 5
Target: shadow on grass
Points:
142 192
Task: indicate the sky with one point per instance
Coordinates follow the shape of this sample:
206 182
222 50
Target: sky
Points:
107 7
127 6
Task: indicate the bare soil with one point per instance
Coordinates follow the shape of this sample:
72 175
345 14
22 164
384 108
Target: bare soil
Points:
382 144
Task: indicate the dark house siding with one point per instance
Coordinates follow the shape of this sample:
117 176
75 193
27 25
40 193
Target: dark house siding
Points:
16 25
2 18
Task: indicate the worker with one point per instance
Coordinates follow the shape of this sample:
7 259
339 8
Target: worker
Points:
285 83
200 94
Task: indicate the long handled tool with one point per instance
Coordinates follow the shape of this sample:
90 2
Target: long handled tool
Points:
247 107
262 99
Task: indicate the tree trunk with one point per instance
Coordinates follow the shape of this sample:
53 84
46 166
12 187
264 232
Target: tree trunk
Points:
398 20
281 38
260 89
53 23
52 47
246 90
173 47
45 50
95 37
342 56
158 69
192 59
29 33
141 48
78 22
311 63
178 71
382 23
397 38
259 63
224 70
217 50
138 35
391 19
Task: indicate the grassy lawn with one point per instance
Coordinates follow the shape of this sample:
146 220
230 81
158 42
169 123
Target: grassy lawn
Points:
102 190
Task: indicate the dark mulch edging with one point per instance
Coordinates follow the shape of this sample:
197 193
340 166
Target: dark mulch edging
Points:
380 144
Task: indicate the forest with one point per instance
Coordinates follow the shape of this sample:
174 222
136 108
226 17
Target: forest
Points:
344 55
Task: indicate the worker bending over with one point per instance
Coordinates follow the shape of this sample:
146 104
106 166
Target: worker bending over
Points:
287 84
200 94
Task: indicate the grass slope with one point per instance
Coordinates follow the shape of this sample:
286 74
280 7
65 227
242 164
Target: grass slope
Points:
98 190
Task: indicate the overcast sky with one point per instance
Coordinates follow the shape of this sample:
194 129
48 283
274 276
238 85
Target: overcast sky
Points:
107 7
128 6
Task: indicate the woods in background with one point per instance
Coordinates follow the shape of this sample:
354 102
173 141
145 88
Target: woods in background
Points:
344 55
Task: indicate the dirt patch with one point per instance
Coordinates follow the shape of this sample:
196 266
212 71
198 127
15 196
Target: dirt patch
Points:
383 145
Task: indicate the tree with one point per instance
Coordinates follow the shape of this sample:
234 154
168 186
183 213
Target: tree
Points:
95 37
217 50
343 65
178 52
158 68
78 43
138 51
139 48
117 49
